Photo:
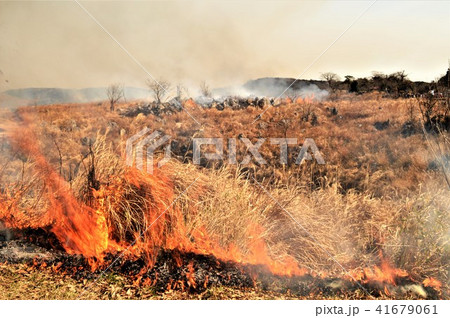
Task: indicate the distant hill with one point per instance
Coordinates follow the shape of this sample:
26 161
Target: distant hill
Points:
9 101
269 87
44 96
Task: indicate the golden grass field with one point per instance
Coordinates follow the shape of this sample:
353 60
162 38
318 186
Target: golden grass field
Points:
381 191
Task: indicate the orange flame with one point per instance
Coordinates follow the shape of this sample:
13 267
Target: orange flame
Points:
384 273
191 276
433 283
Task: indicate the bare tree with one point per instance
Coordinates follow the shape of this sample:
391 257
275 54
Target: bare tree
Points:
114 92
331 79
160 89
400 75
181 92
204 89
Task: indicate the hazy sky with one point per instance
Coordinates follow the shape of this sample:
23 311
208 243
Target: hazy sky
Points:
56 44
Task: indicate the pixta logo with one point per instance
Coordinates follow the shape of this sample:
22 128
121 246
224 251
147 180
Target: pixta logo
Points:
141 147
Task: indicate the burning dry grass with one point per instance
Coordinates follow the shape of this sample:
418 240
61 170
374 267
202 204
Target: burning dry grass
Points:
375 195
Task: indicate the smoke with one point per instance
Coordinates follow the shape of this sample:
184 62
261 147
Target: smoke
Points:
265 87
276 87
313 91
56 44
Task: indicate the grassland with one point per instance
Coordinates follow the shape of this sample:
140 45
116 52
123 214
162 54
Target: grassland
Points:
382 189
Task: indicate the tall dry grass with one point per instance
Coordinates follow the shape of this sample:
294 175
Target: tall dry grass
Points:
377 192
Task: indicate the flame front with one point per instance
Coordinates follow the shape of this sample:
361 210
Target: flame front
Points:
78 227
90 230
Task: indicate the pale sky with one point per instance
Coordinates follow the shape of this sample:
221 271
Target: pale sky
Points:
56 44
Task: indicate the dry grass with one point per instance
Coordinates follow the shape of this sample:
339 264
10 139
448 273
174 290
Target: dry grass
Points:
377 191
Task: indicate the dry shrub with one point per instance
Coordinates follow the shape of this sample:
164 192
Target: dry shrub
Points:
125 205
99 165
137 206
125 196
222 202
22 190
419 242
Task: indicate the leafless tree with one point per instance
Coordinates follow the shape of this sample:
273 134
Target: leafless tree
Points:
114 92
400 75
159 88
285 123
331 79
181 92
204 89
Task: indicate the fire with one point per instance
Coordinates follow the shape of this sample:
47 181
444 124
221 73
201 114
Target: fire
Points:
78 227
152 223
385 273
190 275
433 283
94 230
